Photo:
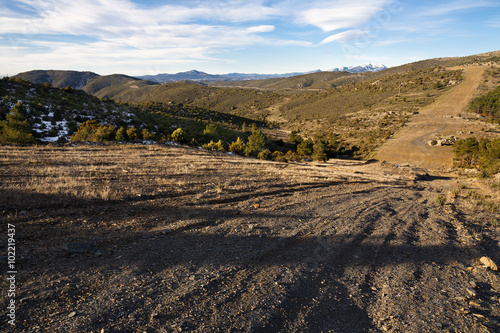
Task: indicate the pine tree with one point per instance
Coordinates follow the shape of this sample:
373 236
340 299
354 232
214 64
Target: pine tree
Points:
305 148
255 143
16 129
319 151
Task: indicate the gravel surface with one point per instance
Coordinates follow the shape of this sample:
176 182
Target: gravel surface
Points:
226 244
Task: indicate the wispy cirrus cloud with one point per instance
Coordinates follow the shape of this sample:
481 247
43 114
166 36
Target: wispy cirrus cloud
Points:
114 34
494 22
180 31
349 35
450 7
336 15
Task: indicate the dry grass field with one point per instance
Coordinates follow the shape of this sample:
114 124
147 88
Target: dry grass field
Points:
129 238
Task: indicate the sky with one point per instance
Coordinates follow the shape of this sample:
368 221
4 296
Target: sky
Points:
246 36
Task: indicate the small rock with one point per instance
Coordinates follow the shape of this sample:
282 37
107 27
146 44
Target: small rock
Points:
472 292
72 314
256 206
488 263
474 304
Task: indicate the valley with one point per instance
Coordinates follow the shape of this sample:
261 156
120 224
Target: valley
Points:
384 232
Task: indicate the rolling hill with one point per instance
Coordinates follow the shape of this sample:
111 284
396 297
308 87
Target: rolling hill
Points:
360 109
59 79
92 83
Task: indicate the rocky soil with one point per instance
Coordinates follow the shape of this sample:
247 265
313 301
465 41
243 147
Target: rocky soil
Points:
170 239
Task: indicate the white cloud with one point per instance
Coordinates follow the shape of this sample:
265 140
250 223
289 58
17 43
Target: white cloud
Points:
262 28
350 35
335 15
124 32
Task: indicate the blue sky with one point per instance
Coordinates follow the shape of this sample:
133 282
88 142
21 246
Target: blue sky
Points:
251 36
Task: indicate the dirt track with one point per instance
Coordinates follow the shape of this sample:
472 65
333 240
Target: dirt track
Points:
227 244
410 144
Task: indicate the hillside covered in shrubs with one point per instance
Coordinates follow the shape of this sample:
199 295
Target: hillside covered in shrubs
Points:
37 113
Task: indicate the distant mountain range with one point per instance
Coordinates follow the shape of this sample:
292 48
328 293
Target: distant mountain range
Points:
195 75
360 69
81 80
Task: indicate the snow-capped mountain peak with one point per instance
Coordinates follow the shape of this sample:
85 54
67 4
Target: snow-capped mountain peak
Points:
360 68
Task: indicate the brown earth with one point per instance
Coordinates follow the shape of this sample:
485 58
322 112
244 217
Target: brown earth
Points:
446 116
171 239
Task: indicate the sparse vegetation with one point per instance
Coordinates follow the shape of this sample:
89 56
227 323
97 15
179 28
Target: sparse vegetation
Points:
483 154
440 200
488 105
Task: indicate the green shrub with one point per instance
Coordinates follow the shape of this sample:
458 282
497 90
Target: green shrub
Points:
179 136
132 133
279 156
466 152
440 200
264 155
121 134
295 138
488 104
147 135
92 131
319 151
305 148
292 156
219 145
237 147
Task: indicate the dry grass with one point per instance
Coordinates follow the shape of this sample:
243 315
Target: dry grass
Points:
36 176
48 176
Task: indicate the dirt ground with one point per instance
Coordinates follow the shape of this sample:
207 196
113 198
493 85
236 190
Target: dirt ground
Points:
173 239
447 116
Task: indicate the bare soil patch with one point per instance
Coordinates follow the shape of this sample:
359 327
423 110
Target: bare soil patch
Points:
447 116
171 239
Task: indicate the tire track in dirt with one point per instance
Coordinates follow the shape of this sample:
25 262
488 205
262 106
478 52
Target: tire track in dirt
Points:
349 255
314 304
229 290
